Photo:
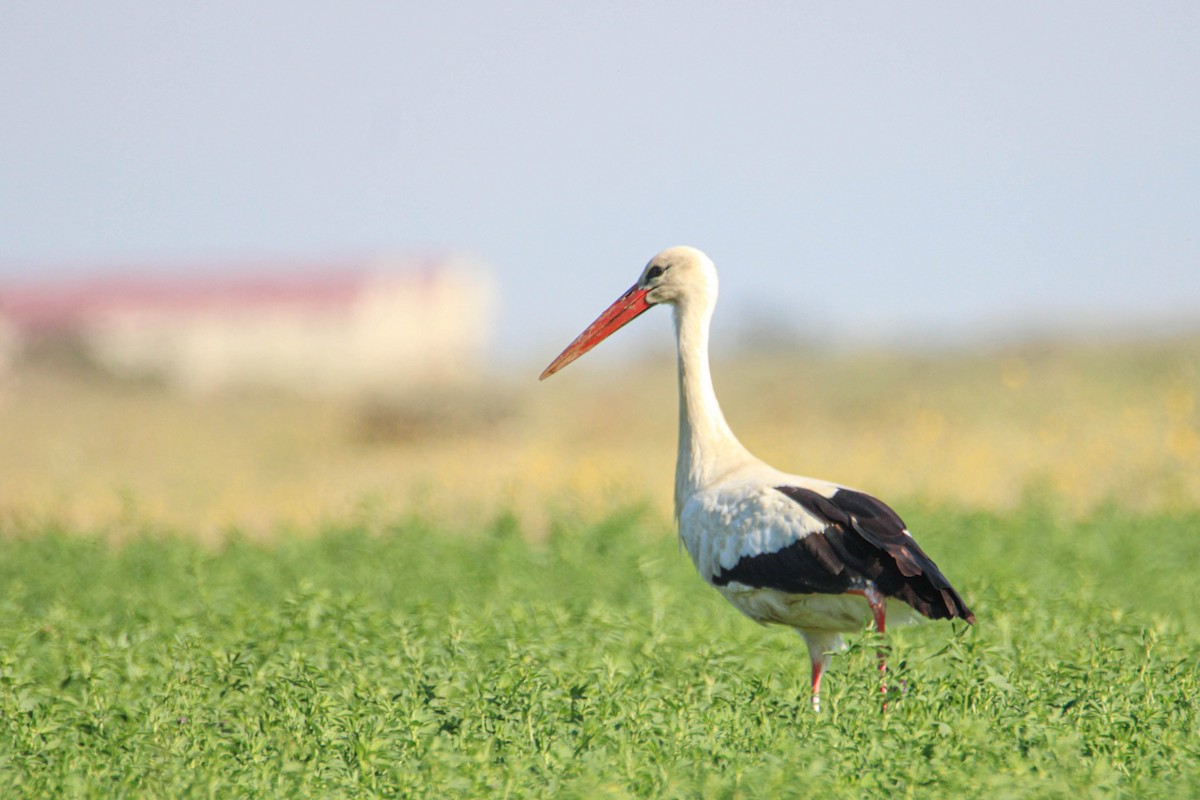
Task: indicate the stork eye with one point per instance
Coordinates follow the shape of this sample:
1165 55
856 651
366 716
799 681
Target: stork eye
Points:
654 272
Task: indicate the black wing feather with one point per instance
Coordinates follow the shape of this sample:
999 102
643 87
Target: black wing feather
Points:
863 541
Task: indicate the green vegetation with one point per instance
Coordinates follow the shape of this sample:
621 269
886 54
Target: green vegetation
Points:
410 660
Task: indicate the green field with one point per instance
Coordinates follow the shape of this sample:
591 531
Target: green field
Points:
256 595
408 659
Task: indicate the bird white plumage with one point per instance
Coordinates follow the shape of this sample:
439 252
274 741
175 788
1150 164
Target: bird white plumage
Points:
781 548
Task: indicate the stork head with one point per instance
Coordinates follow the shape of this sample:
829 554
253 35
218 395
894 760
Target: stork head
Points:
674 276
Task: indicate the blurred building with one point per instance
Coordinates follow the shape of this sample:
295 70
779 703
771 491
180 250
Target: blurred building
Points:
374 327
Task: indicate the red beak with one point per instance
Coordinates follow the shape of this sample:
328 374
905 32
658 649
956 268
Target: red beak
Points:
628 307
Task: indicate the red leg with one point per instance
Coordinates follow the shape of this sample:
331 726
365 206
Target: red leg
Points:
878 610
820 645
818 667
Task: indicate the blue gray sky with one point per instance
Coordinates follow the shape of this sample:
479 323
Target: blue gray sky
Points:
857 171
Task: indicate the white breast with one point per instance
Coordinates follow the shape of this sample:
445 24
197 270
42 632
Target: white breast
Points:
745 515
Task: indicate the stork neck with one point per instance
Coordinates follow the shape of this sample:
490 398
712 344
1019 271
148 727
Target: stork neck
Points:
707 446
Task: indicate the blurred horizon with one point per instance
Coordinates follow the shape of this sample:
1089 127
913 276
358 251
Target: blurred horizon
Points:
1075 427
931 174
737 330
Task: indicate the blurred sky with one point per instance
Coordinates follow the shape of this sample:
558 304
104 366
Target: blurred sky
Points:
856 170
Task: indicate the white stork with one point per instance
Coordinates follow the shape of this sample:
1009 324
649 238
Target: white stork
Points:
781 548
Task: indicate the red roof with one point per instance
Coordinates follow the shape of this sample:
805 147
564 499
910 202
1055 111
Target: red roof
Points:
65 305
